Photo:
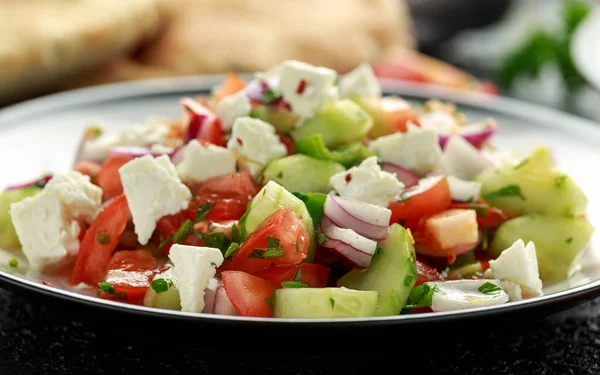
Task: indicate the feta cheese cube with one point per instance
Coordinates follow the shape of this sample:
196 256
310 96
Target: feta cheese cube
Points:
153 190
305 87
231 107
47 237
440 122
465 294
462 160
417 150
80 197
512 289
463 191
361 81
161 149
194 267
256 143
368 183
519 264
200 162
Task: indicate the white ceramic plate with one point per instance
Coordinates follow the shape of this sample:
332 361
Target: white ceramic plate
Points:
585 50
42 135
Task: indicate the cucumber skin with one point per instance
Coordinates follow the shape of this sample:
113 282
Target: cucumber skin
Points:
282 120
8 235
339 123
558 241
392 274
324 303
170 299
301 173
271 198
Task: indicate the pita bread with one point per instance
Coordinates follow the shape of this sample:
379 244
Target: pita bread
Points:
46 41
216 36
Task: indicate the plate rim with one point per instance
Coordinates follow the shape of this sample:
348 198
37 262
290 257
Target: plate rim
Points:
172 85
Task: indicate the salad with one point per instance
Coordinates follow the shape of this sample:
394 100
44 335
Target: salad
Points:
301 194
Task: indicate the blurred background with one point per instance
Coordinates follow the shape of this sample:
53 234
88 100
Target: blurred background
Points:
543 51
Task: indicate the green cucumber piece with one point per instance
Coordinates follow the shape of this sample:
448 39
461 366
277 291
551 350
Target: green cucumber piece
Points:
302 173
347 155
8 235
340 122
392 273
558 241
282 120
324 303
269 200
315 204
543 188
169 299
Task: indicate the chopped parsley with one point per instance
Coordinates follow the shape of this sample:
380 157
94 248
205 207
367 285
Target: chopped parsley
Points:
421 296
159 285
560 181
298 247
270 96
280 175
232 249
569 240
272 251
321 238
184 230
216 240
521 163
408 280
489 288
270 300
13 263
162 242
102 237
378 251
105 288
332 302
236 234
293 284
506 191
203 210
211 228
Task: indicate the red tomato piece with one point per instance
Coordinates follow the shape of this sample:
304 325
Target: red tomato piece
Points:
427 273
447 233
88 168
232 83
212 132
313 275
108 177
248 293
487 217
430 196
224 208
234 185
130 273
284 227
288 142
99 242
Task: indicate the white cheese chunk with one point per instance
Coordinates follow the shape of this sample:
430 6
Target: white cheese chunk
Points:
201 162
256 143
368 183
519 264
153 190
513 290
417 150
360 82
158 148
465 294
231 107
462 160
80 197
194 267
47 237
305 87
463 191
440 122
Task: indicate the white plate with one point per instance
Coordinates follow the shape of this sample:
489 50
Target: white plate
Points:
42 135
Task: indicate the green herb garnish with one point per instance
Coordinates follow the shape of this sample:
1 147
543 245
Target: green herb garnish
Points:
233 248
421 296
270 96
293 284
216 240
298 247
569 240
489 288
506 191
408 280
159 285
14 263
280 175
105 288
236 235
321 238
161 242
202 211
184 230
102 237
332 302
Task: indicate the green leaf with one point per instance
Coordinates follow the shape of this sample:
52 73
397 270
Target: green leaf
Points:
297 275
159 285
202 211
236 235
233 248
506 191
293 284
105 288
489 288
216 240
185 230
332 302
270 96
421 296
321 238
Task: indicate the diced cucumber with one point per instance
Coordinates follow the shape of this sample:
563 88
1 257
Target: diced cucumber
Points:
533 186
268 201
340 122
324 303
315 204
558 241
347 155
168 299
392 273
303 174
283 120
8 236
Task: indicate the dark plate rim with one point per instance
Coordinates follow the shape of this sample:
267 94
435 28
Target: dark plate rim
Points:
586 129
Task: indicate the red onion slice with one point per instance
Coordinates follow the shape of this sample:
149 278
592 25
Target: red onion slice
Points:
475 134
364 218
196 116
347 243
216 300
405 176
41 182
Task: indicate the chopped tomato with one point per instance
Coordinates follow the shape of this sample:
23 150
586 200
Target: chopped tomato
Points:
313 275
398 112
234 185
130 273
248 293
288 142
212 133
281 238
487 217
450 232
210 226
99 242
224 208
427 273
108 177
88 168
232 83
430 196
